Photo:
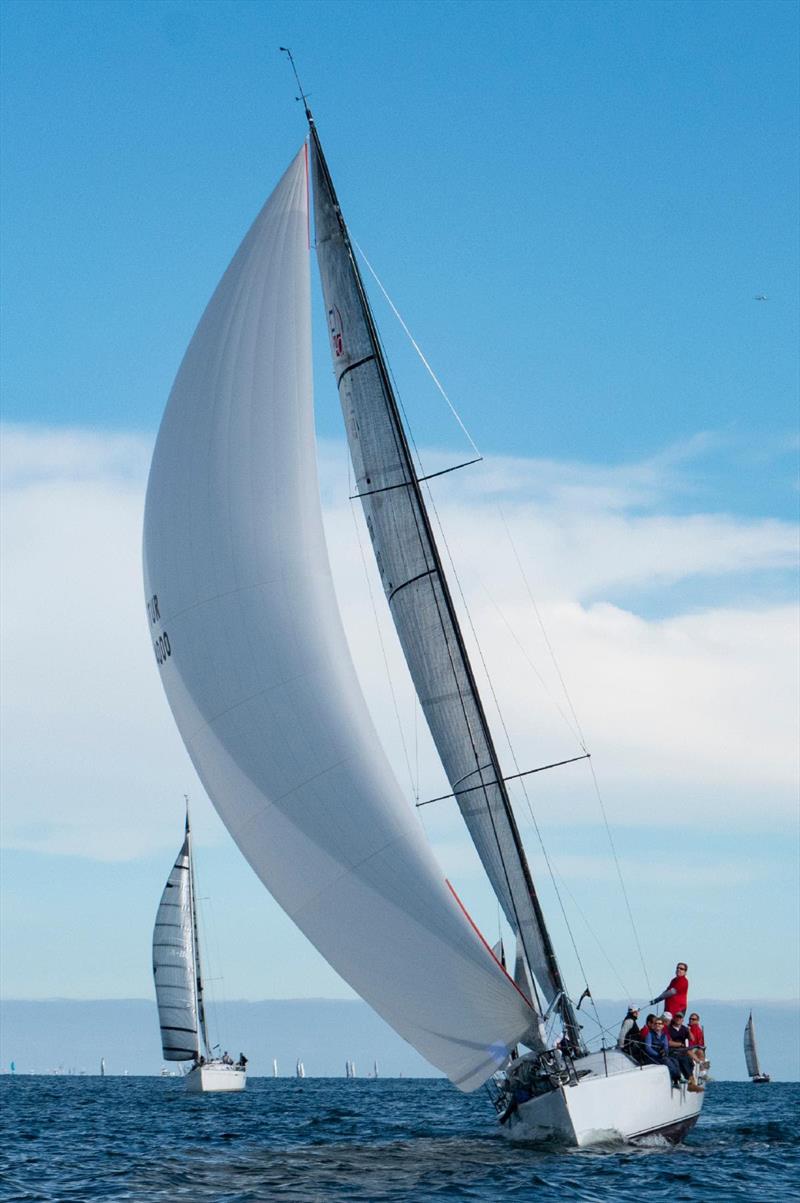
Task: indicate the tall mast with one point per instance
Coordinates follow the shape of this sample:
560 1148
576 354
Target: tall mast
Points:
489 775
198 976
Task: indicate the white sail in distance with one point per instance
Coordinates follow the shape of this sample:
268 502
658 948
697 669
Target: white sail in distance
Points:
416 587
174 970
254 661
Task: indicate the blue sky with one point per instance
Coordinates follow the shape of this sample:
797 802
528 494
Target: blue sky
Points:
573 206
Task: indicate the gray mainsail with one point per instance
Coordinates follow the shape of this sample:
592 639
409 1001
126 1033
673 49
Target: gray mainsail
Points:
176 969
417 590
750 1051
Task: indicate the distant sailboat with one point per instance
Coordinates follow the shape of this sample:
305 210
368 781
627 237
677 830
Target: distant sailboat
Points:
274 1067
300 1070
255 664
751 1053
179 983
102 1067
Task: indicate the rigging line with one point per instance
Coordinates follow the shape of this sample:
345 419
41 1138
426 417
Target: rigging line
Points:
221 1003
429 549
199 993
418 350
427 543
558 893
619 875
505 730
592 932
439 572
382 647
574 730
406 484
541 625
212 1005
511 777
557 668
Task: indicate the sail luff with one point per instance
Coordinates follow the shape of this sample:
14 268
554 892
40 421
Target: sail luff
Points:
397 518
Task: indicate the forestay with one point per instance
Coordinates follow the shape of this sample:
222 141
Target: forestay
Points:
174 964
257 671
414 582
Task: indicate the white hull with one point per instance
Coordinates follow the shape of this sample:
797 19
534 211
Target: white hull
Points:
616 1100
215 1076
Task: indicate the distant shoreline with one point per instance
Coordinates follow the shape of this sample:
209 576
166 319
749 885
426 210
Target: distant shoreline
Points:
46 1036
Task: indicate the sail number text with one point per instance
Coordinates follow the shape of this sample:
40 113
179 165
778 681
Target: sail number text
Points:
161 644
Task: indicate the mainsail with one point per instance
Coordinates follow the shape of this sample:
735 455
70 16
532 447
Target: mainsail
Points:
256 668
174 969
416 587
750 1051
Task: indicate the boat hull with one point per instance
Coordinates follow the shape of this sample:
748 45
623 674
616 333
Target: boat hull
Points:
626 1103
215 1077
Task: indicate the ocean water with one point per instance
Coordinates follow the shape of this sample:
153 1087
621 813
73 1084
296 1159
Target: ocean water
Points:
81 1139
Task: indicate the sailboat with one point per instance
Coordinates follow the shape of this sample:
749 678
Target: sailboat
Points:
751 1053
256 668
179 983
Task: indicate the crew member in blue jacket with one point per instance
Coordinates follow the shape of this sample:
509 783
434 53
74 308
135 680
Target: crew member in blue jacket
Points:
656 1049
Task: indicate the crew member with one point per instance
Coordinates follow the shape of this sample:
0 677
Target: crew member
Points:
676 992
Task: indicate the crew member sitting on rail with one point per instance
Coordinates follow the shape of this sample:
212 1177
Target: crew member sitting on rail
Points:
697 1041
677 1035
656 1049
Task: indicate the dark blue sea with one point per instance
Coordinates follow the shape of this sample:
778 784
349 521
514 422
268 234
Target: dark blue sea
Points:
81 1139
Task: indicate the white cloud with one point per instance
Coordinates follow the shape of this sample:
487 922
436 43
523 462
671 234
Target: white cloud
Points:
698 705
90 755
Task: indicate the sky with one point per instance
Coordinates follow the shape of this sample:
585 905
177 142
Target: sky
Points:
574 208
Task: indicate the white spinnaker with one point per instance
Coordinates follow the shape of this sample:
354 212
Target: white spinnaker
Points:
750 1051
257 671
174 966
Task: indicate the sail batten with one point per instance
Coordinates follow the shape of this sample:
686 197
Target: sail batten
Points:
256 668
416 588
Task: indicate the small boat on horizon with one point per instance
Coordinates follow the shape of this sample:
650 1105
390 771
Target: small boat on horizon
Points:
179 984
751 1054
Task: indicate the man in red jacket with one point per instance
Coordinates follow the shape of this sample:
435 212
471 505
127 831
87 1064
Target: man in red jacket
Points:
676 992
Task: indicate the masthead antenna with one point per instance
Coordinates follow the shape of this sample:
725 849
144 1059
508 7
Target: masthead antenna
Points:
303 95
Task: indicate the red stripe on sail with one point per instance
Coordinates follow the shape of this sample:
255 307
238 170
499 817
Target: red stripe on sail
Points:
486 944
